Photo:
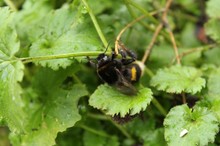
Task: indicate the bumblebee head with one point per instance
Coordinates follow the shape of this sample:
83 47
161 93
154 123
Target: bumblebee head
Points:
102 57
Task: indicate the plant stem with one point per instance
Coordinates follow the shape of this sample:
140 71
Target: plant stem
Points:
146 13
50 57
183 98
156 33
159 107
95 22
174 46
197 49
142 10
148 71
150 46
132 13
120 128
95 131
123 30
77 79
98 116
130 9
11 5
172 38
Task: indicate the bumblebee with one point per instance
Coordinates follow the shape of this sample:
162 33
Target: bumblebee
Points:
120 72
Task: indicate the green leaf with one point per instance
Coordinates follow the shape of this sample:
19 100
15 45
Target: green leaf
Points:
96 135
212 56
63 31
1 2
200 124
11 72
188 36
54 116
141 128
215 107
72 136
161 60
178 79
113 102
29 17
50 107
146 131
212 29
155 138
91 139
213 84
213 93
213 9
113 141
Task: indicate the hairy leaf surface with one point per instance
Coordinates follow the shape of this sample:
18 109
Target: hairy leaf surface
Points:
114 102
178 79
54 116
212 29
213 9
11 72
55 38
200 124
214 84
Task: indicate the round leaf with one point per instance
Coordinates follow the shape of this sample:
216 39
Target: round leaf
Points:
57 37
177 79
184 126
113 102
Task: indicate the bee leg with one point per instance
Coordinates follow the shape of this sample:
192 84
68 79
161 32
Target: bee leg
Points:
113 55
91 61
123 54
127 52
127 61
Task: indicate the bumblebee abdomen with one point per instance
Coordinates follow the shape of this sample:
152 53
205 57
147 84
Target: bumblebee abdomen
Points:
133 72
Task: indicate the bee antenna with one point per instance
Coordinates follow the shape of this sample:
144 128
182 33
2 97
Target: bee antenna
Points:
107 46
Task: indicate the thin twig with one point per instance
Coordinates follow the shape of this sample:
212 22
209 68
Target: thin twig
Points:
166 24
174 45
156 33
183 98
193 50
128 26
141 9
150 46
123 30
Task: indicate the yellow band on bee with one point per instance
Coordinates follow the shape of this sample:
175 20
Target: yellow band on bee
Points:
133 74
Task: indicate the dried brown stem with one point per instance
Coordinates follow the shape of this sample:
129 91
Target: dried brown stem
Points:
166 24
156 33
150 46
174 46
123 30
183 98
128 26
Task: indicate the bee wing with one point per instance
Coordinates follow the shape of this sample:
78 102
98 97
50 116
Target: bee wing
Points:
123 85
